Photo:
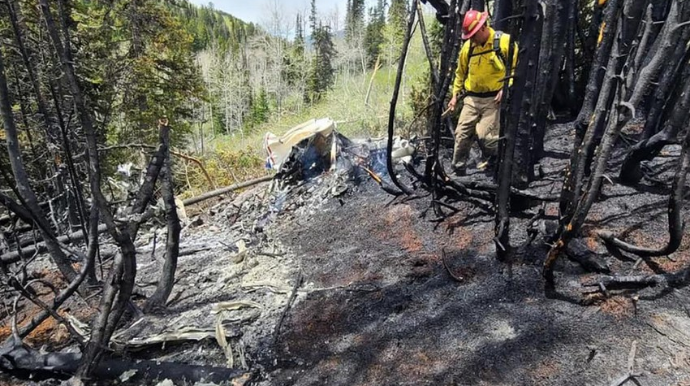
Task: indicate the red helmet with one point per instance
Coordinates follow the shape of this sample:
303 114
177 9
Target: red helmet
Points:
474 20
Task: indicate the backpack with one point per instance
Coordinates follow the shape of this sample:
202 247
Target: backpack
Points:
496 49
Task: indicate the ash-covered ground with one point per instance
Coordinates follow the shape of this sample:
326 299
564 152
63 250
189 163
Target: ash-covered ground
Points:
373 303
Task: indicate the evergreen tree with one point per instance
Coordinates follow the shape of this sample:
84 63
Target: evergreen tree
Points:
397 13
294 62
354 19
312 18
259 110
394 31
373 37
322 72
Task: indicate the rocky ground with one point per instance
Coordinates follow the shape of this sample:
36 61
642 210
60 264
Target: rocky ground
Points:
333 283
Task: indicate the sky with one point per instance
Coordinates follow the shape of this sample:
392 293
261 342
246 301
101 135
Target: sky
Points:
259 11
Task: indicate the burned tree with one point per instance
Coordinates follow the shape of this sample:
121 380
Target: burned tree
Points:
616 107
41 66
172 245
515 124
24 191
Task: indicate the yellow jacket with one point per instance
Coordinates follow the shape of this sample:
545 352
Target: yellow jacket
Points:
486 70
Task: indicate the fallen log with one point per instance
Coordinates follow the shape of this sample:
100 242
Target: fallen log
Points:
21 360
227 189
15 256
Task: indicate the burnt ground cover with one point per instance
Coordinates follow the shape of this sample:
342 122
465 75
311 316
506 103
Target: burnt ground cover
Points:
398 318
334 283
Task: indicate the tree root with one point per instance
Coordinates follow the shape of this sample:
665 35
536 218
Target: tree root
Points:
455 277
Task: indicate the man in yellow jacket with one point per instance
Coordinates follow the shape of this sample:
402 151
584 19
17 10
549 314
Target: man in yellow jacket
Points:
480 74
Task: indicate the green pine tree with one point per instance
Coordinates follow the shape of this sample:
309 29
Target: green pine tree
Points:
354 18
373 37
397 13
322 72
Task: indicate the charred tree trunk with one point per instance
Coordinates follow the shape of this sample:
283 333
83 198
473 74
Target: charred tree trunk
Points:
662 100
628 27
503 9
447 64
172 248
145 193
522 166
21 178
516 132
427 47
551 57
478 5
594 86
600 15
449 51
16 208
394 100
641 49
569 78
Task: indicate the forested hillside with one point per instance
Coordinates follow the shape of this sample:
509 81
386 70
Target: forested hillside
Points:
211 27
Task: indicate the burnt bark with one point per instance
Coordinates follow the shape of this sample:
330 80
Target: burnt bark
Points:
601 12
522 166
569 78
427 47
394 101
503 9
16 208
646 150
627 31
517 122
56 365
172 247
41 247
145 193
662 100
554 39
442 9
448 61
641 49
594 86
478 5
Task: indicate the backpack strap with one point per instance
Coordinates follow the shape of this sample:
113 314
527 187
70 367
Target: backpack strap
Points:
497 47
